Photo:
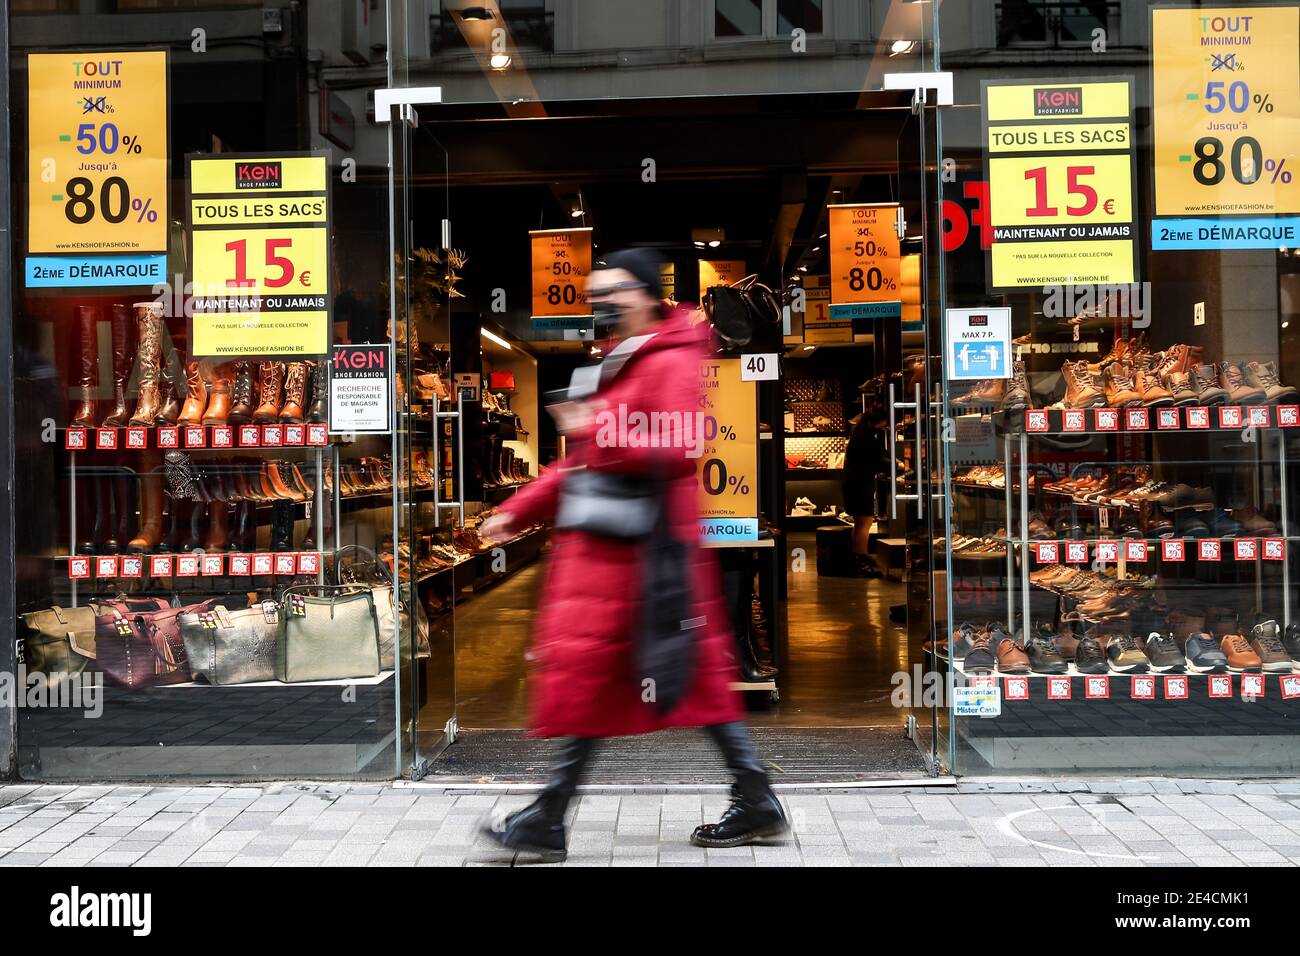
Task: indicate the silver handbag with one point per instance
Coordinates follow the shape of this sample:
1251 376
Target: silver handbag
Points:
334 636
232 647
608 505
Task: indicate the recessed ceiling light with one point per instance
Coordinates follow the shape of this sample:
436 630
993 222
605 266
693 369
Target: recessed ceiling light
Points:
500 61
824 235
576 214
816 248
714 243
899 47
1285 324
699 245
493 337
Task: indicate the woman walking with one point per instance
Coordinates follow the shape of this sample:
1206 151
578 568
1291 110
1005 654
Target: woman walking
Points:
589 681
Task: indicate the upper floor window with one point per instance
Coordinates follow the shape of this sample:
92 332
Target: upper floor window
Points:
767 18
1054 23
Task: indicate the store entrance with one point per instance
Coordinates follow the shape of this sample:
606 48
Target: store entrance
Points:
834 598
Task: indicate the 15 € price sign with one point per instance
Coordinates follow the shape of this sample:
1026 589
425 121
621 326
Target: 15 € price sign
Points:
727 469
1061 174
1226 105
97 153
561 264
864 262
259 231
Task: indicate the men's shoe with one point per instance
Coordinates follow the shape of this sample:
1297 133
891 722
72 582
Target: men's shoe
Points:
1080 389
1149 389
1205 379
1066 641
979 656
1121 386
1017 397
1089 658
963 639
1240 392
1222 525
754 814
1241 657
1012 658
1188 525
1204 655
1266 642
1181 388
1126 655
1044 657
1263 375
1291 641
1181 497
1163 653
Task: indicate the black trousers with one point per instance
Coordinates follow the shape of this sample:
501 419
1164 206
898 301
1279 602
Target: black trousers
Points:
732 738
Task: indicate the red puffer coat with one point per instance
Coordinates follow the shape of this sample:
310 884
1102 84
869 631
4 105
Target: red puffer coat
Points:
584 682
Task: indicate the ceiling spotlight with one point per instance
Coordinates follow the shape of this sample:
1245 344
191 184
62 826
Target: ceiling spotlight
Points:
714 243
824 235
1285 324
493 337
899 47
577 213
699 245
816 248
500 61
476 13
803 268
809 348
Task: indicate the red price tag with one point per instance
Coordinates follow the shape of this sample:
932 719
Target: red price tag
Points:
1257 416
196 436
1144 687
137 438
1058 688
250 436
1210 549
106 439
1138 419
295 434
1177 688
1074 420
1015 688
1252 686
1036 420
169 436
1096 687
1107 419
132 566
263 563
1245 549
75 439
1290 687
1135 550
187 566
78 567
1198 417
1108 551
309 562
1167 418
1230 416
1274 549
223 436
1288 416
273 435
214 565
160 566
241 565
286 563
1047 552
1173 549
318 434
1076 552
1220 685
106 566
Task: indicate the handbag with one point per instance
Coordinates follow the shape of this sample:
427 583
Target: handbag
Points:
736 310
606 504
333 636
59 642
665 646
231 647
139 649
378 578
501 381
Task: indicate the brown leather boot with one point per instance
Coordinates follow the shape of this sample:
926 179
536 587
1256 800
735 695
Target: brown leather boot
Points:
122 358
151 509
241 400
270 380
1118 352
1240 392
1080 391
218 397
1149 388
278 485
295 393
170 402
1121 386
85 365
197 377
218 536
149 329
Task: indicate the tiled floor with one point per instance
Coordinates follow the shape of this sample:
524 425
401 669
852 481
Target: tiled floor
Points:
1042 822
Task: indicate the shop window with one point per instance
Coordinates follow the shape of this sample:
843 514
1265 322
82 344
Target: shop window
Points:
766 18
43 6
1051 23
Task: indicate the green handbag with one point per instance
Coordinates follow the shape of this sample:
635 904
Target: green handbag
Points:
332 635
59 642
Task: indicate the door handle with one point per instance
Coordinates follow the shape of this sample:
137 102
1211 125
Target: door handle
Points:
895 497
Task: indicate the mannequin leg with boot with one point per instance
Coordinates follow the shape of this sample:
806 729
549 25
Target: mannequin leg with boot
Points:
755 812
86 364
123 358
539 827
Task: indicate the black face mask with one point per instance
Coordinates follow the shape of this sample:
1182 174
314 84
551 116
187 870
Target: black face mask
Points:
606 317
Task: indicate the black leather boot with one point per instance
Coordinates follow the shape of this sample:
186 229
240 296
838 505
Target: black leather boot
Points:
318 410
539 827
282 526
755 812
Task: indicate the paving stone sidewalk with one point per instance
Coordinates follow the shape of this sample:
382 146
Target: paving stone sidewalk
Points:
1021 822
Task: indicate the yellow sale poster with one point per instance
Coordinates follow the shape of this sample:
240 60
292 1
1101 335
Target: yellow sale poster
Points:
727 469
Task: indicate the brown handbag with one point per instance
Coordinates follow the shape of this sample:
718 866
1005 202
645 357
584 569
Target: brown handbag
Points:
144 648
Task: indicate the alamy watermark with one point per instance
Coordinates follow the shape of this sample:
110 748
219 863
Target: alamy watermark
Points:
620 428
37 689
1117 301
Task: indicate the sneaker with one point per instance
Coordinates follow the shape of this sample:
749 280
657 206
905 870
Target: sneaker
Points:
1266 642
979 657
1263 375
1089 657
1203 654
1126 655
1163 653
1239 654
1043 656
1291 641
803 508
